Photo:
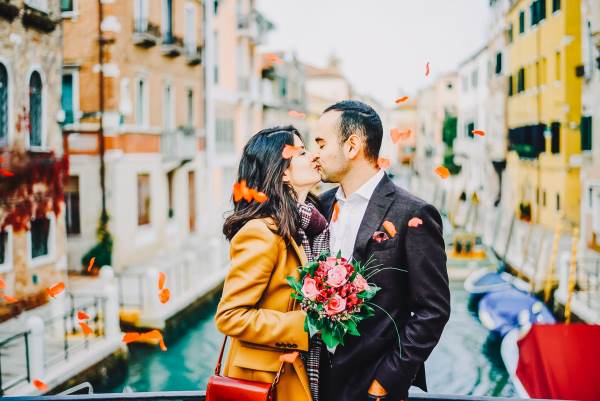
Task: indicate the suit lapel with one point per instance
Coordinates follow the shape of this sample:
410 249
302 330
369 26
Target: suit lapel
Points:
380 202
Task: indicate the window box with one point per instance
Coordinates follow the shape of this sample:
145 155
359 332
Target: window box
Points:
145 34
36 19
8 11
172 47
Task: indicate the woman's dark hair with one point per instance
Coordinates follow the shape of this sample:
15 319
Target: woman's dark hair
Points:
262 167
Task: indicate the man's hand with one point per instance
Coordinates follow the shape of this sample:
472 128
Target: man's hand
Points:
377 389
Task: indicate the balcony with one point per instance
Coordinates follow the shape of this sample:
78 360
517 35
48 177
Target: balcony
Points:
145 34
193 55
8 10
36 17
178 144
253 26
172 46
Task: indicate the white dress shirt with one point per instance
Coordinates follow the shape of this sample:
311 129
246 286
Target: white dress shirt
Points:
344 230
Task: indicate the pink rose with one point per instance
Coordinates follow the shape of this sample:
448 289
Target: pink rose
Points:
360 283
309 288
335 305
336 276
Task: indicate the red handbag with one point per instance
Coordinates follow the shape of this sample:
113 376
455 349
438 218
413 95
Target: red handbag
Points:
222 388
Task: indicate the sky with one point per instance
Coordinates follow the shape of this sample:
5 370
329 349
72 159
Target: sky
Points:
383 45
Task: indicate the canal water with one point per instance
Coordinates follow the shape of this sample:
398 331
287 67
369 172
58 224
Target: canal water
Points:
465 362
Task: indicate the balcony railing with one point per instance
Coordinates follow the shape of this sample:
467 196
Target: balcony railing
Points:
172 46
179 144
145 34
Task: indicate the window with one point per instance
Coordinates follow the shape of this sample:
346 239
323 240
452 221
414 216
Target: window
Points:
557 65
190 108
69 97
282 87
140 15
216 60
168 108
67 6
555 5
510 33
171 210
3 247
35 109
510 85
586 132
4 123
216 6
474 79
143 201
522 21
167 21
141 103
190 28
40 236
521 81
72 215
192 200
538 11
541 10
469 129
533 12
555 130
557 202
498 69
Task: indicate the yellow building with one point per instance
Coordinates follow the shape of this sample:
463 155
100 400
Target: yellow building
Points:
544 108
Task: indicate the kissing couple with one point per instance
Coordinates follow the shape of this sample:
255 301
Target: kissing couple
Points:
289 227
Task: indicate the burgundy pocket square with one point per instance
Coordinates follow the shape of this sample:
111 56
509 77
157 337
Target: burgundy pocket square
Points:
380 236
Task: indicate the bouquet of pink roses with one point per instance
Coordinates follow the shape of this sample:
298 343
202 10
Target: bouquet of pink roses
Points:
334 293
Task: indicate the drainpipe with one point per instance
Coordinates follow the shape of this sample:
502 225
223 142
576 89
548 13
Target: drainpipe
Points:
101 42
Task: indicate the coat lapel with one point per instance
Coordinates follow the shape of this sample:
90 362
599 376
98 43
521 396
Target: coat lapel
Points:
380 202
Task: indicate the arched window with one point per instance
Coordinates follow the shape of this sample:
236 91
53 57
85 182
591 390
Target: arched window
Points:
3 105
35 109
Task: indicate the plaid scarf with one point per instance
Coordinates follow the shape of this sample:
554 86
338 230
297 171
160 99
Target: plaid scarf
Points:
314 232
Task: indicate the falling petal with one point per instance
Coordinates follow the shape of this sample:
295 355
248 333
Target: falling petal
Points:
86 329
40 385
290 151
478 132
154 335
8 298
91 264
415 222
442 171
384 163
296 114
380 236
336 212
55 289
162 277
2 283
260 197
427 69
405 134
395 134
131 337
390 228
290 357
81 315
401 99
164 295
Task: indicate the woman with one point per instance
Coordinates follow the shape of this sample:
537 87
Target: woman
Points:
256 308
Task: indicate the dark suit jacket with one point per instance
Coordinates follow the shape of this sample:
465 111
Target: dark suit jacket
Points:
418 300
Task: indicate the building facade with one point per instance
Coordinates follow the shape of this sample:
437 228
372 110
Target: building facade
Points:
150 97
32 228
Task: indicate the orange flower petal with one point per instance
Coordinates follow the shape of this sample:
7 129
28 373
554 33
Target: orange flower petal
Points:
260 197
290 357
2 283
384 163
442 171
415 222
86 329
164 295
296 114
395 134
427 69
249 194
336 212
131 337
478 132
55 289
401 99
155 335
8 298
290 151
81 315
162 277
40 385
91 264
390 228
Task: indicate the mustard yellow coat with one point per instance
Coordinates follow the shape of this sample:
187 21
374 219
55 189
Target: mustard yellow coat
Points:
259 315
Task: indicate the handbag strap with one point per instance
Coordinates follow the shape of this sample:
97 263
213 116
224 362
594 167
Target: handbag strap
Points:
220 360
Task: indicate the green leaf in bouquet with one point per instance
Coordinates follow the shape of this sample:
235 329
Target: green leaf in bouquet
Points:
367 310
322 256
312 267
351 328
329 338
297 297
312 325
339 254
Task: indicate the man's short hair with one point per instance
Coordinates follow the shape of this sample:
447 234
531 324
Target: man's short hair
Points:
360 118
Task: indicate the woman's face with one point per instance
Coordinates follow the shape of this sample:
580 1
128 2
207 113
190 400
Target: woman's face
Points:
303 172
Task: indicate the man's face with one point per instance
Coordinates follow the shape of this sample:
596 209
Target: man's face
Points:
332 158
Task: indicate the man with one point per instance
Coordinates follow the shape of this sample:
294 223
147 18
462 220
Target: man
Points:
414 281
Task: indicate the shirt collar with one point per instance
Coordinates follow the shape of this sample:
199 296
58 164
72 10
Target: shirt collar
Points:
365 191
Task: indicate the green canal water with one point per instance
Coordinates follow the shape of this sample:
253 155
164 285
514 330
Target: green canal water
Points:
465 362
